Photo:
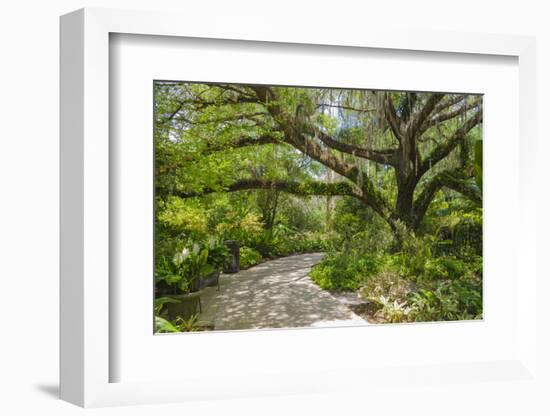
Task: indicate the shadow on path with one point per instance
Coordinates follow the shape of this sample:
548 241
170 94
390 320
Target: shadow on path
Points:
275 294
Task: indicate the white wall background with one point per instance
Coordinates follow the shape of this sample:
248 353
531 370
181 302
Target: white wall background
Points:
29 184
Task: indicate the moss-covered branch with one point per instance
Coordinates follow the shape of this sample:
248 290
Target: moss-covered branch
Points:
308 188
444 149
452 179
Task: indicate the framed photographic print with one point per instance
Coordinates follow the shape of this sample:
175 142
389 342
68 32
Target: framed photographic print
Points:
274 214
313 191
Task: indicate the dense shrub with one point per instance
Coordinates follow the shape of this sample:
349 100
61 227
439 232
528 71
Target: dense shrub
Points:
179 273
303 243
344 271
447 289
386 284
249 257
409 285
246 229
452 299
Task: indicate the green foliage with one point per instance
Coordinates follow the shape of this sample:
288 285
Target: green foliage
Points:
386 285
179 274
245 229
478 163
347 225
408 285
164 326
415 253
187 325
394 311
302 243
180 324
358 228
218 256
160 302
454 299
182 218
249 257
457 225
344 271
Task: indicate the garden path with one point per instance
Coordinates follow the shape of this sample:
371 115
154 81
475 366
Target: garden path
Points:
274 294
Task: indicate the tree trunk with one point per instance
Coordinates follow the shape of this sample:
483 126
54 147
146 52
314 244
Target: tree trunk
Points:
404 207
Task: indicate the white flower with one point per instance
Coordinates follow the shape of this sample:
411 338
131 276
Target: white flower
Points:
180 257
177 259
196 248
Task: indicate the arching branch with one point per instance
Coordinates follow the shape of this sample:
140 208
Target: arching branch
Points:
243 141
421 116
391 117
449 101
445 148
200 104
453 179
297 188
235 117
210 148
448 115
297 136
380 156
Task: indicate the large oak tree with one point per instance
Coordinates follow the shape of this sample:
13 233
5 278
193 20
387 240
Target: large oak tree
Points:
423 139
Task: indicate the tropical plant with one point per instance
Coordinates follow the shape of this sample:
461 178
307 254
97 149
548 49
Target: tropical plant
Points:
164 326
249 257
180 324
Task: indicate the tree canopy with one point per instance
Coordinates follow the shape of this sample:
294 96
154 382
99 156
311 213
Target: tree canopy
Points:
392 151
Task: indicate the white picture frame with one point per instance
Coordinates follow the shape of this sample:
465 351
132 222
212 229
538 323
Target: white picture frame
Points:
85 219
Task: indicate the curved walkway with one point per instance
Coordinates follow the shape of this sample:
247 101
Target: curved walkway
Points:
274 294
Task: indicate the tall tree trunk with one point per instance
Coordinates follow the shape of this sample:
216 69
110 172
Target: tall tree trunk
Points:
404 206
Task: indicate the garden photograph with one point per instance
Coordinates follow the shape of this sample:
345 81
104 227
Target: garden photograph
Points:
307 207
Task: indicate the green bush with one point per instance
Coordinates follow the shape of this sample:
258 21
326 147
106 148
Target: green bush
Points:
449 300
218 256
415 285
179 324
344 271
386 284
249 257
439 268
177 275
301 244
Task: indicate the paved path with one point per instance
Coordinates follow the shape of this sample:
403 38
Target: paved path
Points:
274 294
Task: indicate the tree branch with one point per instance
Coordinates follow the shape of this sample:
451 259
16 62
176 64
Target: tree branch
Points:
210 148
419 118
380 156
453 179
443 150
235 117
391 117
202 104
448 115
449 101
243 141
347 107
292 187
296 134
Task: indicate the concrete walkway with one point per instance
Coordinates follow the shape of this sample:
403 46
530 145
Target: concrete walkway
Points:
274 294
